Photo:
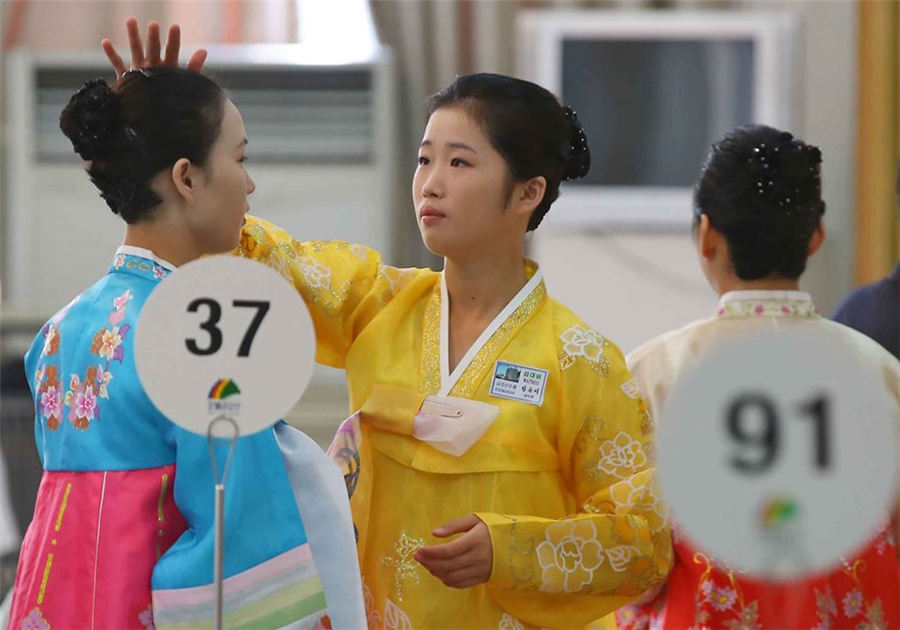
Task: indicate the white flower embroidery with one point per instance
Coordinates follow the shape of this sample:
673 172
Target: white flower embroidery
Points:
569 556
279 264
620 556
640 498
621 456
394 617
579 341
52 333
396 278
316 275
373 617
508 622
631 389
359 251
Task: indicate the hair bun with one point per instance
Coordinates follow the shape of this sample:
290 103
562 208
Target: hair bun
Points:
90 119
785 172
578 161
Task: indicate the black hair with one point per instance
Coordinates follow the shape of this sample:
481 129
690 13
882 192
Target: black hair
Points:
131 131
762 189
525 124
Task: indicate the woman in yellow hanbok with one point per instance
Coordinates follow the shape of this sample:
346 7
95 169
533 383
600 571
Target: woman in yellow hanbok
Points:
484 409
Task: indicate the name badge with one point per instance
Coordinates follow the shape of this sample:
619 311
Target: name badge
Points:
519 382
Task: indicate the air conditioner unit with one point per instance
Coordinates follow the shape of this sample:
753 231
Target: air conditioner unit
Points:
321 153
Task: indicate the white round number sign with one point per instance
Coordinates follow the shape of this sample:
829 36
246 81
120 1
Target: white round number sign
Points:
224 337
777 454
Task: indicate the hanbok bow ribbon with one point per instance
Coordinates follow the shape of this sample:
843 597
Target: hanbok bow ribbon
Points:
452 425
447 423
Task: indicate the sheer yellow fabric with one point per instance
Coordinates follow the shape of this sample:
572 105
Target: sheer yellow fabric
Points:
565 487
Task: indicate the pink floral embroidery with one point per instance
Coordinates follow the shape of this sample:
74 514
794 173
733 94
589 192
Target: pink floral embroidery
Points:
48 388
721 598
51 404
86 403
122 300
146 618
107 343
853 603
759 309
35 621
82 403
120 261
158 272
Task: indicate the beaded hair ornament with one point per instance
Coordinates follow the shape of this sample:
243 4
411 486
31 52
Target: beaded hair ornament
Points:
579 163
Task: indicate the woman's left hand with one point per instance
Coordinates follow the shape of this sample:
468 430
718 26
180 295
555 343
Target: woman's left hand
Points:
464 562
150 57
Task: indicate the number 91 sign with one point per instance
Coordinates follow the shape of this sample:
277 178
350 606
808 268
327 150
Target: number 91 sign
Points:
777 454
224 336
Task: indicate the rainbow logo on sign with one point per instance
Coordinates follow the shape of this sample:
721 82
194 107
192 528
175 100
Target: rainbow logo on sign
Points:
222 397
223 388
779 512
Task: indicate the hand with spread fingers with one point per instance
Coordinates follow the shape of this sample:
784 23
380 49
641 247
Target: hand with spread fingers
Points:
464 562
149 57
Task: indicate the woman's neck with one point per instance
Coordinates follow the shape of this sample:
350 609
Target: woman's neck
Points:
480 288
165 238
763 284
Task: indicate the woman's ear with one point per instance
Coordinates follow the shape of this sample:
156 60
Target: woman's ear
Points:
816 240
182 179
532 193
707 238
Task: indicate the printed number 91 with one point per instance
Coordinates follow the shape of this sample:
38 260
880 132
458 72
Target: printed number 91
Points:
759 443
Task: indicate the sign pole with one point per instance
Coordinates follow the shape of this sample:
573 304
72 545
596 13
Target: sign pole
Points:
219 536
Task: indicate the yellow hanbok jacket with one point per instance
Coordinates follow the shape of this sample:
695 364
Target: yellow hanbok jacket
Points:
564 486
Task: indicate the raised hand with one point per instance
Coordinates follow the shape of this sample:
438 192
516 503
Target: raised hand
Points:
149 57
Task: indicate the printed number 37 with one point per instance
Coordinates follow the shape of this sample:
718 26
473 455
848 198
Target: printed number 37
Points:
213 331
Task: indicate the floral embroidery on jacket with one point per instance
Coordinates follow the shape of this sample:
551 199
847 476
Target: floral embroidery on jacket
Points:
569 556
579 341
46 377
621 457
82 396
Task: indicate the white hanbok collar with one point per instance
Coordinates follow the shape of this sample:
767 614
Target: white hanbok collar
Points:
762 303
448 379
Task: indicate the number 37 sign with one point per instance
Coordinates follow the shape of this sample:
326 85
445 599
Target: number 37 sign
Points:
224 336
777 454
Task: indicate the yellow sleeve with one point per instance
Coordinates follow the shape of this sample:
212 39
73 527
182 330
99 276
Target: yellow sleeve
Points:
344 285
567 573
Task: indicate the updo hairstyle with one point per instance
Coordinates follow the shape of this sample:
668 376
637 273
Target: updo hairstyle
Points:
525 124
762 189
142 125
